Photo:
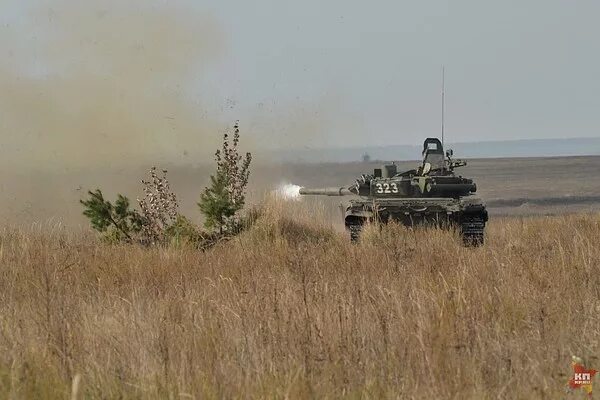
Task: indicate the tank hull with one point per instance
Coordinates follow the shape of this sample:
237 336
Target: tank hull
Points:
468 214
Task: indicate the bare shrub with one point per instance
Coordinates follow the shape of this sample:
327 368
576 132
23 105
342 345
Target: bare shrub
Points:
159 207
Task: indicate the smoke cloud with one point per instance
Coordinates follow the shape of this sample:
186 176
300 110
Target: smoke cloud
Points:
288 191
104 82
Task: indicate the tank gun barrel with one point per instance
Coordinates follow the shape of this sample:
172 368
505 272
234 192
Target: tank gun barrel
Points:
330 191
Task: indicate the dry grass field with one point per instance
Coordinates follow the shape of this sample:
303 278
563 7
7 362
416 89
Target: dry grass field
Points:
291 309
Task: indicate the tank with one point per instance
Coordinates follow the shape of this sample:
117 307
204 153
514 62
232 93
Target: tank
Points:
431 194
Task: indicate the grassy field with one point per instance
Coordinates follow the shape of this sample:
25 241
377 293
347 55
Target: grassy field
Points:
291 309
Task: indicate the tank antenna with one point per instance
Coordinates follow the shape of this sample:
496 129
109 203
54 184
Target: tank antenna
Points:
443 102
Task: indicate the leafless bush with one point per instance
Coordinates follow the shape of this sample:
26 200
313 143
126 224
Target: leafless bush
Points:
159 207
234 166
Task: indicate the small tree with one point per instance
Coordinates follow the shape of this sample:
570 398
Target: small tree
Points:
224 198
117 221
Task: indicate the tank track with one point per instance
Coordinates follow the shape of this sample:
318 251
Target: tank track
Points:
471 227
472 230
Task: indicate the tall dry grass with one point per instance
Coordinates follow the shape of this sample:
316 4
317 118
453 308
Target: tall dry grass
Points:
290 309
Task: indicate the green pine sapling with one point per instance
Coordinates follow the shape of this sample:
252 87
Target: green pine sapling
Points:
225 197
114 220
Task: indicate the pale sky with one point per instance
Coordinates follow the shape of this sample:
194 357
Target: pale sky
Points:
296 73
514 68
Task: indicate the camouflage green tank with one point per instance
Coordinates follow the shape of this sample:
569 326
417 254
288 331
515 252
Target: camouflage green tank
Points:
431 194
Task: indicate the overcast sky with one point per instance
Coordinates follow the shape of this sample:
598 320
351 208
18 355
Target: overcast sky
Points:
514 68
296 73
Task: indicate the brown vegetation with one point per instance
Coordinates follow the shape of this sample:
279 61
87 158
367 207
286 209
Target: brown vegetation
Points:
290 309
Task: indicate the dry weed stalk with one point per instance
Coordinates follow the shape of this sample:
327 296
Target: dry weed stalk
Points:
159 207
235 167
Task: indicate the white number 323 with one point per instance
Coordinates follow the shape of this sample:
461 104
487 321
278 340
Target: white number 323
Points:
387 187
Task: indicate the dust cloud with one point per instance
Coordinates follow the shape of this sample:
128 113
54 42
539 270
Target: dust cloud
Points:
95 92
104 83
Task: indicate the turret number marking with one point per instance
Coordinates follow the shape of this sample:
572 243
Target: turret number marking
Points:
386 188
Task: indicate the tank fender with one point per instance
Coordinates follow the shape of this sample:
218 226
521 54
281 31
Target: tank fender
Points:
359 214
477 209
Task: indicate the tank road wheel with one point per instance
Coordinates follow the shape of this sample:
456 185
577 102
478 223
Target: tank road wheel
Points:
471 229
355 230
354 225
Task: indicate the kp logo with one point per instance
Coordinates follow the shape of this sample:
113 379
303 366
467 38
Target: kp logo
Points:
582 377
